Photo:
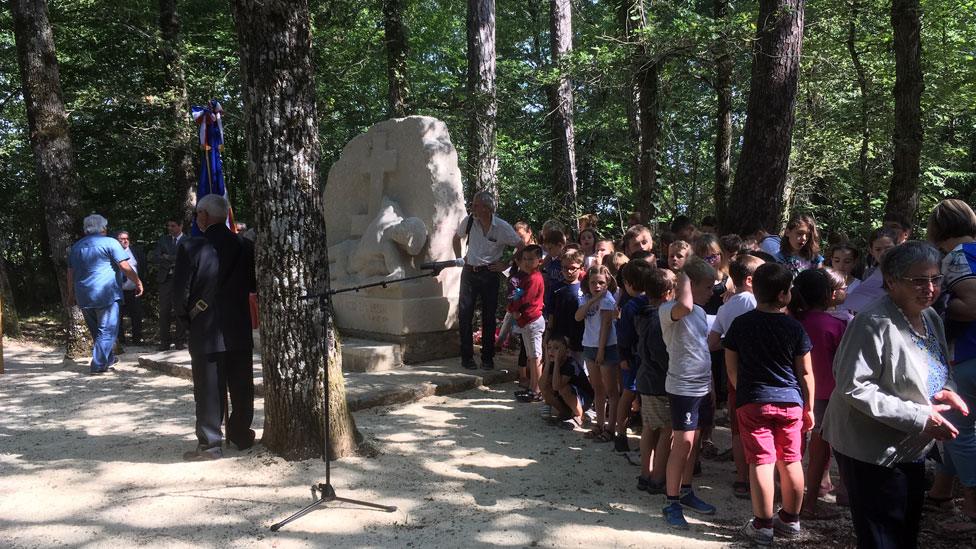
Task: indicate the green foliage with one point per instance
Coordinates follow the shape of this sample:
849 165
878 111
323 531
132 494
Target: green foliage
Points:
114 87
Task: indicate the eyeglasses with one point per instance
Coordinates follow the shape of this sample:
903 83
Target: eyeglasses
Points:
923 282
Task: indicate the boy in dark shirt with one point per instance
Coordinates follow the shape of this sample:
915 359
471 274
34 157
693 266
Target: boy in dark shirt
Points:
571 393
655 443
767 355
632 274
561 315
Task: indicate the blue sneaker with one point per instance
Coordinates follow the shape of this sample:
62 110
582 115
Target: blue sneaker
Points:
674 516
693 502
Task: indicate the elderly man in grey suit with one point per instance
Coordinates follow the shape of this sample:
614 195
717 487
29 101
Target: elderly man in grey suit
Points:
164 258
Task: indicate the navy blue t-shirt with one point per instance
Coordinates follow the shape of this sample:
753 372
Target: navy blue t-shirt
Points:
577 377
565 302
768 344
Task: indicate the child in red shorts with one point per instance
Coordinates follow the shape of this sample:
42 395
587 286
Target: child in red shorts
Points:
767 355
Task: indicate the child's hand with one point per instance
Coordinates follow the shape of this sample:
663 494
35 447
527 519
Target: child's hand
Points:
808 421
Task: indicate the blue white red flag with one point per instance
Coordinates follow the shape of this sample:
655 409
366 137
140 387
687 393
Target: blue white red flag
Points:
211 177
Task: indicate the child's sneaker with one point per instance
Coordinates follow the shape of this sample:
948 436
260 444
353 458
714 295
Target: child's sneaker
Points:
785 529
761 536
620 443
693 502
642 483
675 517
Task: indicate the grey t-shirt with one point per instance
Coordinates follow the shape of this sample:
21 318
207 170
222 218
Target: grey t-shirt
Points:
690 364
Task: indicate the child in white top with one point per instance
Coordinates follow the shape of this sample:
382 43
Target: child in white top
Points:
597 313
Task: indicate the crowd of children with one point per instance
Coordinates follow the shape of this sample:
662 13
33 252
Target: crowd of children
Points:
622 332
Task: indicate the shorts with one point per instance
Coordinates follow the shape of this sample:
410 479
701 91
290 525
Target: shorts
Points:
655 412
688 412
532 337
585 399
771 432
610 354
819 409
628 378
733 417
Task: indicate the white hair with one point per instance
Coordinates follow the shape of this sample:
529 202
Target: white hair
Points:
215 205
95 224
487 198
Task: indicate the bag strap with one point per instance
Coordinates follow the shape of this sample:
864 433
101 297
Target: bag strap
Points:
467 231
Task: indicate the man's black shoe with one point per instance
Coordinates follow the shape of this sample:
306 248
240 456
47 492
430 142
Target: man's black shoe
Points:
203 454
180 346
244 444
469 365
487 365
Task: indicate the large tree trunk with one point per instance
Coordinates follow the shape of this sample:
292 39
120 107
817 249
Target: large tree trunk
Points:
723 117
650 128
862 86
53 153
903 193
482 161
630 17
180 132
758 193
561 106
283 152
396 58
11 321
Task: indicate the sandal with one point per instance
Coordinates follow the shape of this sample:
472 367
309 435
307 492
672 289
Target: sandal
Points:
528 396
604 436
741 490
593 434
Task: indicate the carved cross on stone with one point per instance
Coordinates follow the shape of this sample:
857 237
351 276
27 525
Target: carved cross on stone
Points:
381 162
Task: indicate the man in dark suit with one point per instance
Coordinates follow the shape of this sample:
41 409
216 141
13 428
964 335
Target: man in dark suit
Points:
164 258
131 303
214 275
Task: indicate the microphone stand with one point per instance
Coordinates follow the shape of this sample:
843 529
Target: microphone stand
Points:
324 490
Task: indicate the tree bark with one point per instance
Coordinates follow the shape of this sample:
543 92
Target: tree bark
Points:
903 192
298 336
723 117
758 193
11 321
180 132
650 128
53 153
630 17
862 86
561 106
482 161
396 58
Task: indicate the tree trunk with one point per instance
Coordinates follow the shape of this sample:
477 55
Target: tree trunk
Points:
396 58
723 117
862 86
650 128
482 161
630 17
298 337
53 153
903 193
758 194
561 106
11 321
180 132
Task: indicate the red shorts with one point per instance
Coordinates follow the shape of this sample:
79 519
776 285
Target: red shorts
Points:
771 432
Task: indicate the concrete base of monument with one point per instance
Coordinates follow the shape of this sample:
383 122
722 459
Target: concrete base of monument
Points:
411 348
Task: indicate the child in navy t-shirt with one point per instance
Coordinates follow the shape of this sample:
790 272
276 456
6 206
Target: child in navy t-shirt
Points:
767 354
571 393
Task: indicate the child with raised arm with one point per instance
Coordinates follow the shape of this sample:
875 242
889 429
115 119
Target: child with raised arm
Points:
689 380
741 271
598 312
655 443
767 355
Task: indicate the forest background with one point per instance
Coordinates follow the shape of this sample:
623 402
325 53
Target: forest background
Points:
116 76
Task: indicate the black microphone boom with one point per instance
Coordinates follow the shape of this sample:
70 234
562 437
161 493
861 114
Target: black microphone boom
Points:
438 265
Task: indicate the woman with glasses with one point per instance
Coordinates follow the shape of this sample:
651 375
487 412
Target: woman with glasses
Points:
952 228
893 385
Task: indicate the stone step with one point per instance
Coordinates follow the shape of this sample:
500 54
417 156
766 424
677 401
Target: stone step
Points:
364 355
369 389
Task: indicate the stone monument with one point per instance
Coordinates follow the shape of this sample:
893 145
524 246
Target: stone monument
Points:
393 201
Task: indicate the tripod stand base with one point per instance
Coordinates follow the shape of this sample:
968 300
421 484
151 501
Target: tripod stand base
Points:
328 494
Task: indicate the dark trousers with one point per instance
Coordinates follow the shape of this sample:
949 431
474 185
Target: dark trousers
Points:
132 308
478 285
886 502
213 375
167 314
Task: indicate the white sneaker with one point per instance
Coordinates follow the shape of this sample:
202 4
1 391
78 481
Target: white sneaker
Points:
761 536
786 529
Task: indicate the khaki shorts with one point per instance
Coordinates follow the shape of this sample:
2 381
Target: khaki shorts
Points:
655 412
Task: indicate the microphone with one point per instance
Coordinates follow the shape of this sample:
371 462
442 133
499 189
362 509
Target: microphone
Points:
438 265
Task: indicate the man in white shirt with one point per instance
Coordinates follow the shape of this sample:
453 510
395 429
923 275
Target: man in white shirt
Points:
131 302
487 236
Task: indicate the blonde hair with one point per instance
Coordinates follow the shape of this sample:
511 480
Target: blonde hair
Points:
681 245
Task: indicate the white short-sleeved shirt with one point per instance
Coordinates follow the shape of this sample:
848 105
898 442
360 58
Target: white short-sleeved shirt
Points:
487 248
689 363
735 306
594 320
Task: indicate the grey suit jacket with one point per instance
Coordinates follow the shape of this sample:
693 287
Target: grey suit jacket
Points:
164 257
